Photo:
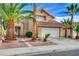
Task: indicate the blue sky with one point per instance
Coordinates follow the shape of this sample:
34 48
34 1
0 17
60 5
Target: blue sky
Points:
56 9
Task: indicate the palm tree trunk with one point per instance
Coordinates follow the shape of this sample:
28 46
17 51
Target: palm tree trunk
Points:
10 30
34 30
71 31
34 22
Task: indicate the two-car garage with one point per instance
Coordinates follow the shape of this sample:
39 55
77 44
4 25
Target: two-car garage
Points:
54 32
53 28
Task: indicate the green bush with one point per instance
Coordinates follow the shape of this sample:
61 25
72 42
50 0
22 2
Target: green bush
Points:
77 31
29 34
46 37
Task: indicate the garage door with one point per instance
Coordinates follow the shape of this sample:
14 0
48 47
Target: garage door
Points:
54 32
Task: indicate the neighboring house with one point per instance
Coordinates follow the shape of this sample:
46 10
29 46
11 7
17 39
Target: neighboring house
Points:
68 31
74 32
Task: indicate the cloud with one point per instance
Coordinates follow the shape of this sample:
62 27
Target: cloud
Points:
59 19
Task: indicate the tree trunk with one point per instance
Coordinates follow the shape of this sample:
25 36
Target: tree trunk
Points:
10 30
34 30
71 31
65 32
34 22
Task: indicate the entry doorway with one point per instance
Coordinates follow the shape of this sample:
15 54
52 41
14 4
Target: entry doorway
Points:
17 30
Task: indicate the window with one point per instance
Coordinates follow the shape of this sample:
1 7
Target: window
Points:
41 18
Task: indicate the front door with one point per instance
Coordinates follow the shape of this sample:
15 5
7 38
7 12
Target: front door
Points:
17 31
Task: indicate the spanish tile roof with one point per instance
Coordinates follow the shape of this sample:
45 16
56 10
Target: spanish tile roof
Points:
54 24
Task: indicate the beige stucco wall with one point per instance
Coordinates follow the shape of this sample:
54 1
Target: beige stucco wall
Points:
48 17
63 32
39 31
30 25
25 25
74 33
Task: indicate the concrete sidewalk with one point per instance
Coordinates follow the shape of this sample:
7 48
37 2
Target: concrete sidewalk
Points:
62 45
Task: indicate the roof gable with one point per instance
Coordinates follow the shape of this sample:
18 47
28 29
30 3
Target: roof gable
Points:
45 11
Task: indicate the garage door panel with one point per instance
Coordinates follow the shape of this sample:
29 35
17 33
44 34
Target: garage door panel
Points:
54 32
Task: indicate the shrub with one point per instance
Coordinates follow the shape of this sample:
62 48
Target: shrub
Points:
29 34
77 31
46 37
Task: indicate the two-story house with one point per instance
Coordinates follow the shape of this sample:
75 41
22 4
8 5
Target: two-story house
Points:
46 24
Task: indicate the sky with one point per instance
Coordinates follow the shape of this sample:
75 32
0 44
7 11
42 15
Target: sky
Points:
56 9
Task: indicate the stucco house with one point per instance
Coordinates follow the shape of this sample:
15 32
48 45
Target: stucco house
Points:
45 23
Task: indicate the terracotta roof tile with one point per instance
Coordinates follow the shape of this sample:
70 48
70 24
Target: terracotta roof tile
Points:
50 24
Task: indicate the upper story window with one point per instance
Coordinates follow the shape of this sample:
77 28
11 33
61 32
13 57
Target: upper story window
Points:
41 18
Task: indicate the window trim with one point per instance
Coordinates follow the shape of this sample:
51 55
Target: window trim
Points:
44 17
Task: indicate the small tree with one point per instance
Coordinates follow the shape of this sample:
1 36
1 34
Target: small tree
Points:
77 31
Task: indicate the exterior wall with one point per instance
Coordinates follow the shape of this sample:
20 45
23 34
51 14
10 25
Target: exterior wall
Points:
68 33
48 17
39 31
25 25
30 25
74 34
63 32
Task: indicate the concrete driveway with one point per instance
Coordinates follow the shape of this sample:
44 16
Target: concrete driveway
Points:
67 42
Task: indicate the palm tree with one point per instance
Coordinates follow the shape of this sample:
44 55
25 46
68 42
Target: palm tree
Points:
73 9
67 24
10 13
77 31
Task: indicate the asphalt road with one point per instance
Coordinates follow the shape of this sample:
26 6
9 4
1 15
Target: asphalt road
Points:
63 53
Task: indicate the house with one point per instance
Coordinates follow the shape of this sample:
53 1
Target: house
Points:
68 31
46 24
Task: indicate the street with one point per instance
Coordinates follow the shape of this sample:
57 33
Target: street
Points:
63 53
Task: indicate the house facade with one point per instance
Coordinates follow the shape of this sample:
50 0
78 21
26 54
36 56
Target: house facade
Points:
46 24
